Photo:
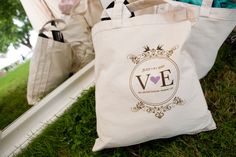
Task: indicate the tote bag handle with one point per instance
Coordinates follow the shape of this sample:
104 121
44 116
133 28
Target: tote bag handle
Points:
46 29
120 9
142 4
206 8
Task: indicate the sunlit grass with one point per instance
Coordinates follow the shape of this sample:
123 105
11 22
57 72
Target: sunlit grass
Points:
13 101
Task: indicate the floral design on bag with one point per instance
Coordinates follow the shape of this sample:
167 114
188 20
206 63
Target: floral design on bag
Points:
154 81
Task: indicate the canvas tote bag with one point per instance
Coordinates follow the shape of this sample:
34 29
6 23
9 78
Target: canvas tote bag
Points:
146 85
78 34
208 34
50 65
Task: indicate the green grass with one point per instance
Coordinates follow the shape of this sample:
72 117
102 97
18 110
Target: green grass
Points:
74 134
13 101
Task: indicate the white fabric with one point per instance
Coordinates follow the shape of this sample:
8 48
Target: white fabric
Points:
78 34
65 6
39 13
105 3
208 34
53 61
53 6
146 85
49 67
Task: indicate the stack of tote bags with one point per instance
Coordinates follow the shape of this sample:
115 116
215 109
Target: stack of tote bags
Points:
148 67
209 32
63 47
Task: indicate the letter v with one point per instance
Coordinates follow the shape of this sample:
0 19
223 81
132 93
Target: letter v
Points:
141 82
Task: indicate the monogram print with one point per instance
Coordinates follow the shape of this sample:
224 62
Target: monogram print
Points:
154 81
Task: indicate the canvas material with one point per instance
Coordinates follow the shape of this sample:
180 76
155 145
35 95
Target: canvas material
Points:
93 9
139 7
207 35
146 52
49 67
78 34
53 62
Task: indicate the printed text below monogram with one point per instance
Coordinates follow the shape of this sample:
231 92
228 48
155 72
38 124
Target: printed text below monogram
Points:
154 81
154 85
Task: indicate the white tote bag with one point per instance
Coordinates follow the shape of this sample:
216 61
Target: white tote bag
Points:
208 34
49 67
146 85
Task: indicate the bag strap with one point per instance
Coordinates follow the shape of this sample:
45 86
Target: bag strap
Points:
105 3
107 11
56 33
120 10
142 4
206 8
46 29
